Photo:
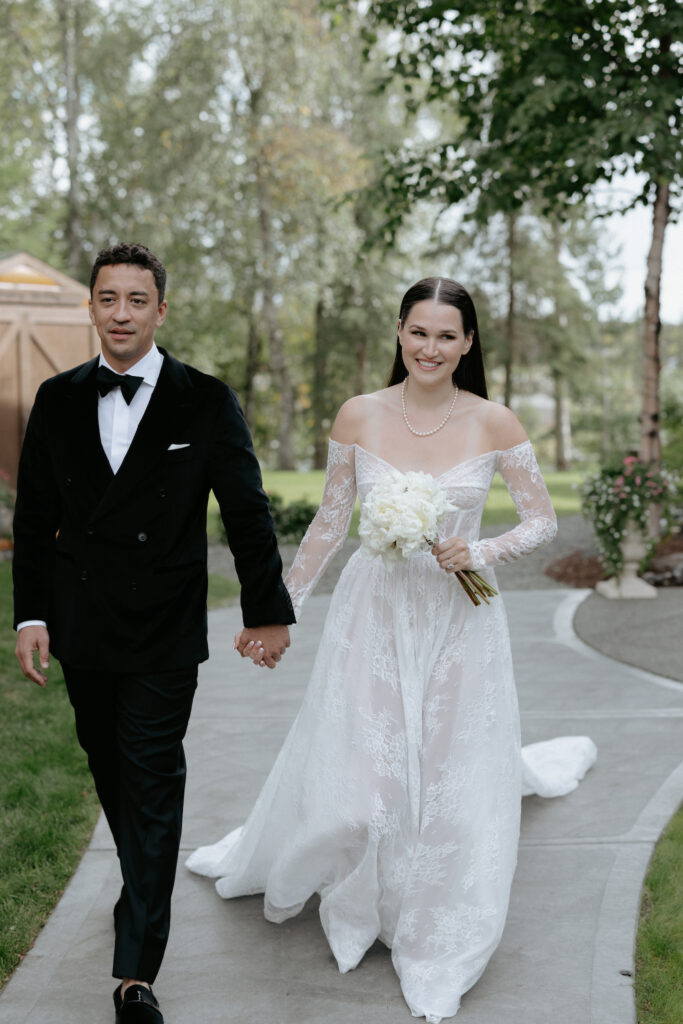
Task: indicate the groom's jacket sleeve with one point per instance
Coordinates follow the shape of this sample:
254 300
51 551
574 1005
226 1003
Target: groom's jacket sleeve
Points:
235 479
36 521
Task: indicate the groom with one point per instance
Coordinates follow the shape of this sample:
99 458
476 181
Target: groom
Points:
110 576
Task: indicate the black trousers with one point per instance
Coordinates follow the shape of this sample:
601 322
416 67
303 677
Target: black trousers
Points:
132 728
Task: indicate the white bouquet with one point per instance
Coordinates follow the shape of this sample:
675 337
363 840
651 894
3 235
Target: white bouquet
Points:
401 515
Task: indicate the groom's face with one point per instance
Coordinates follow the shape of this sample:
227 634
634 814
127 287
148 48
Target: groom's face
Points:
125 310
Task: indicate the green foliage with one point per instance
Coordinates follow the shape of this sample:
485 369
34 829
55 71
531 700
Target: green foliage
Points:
256 178
48 805
291 515
552 97
6 495
622 492
291 519
659 945
222 591
672 412
6 505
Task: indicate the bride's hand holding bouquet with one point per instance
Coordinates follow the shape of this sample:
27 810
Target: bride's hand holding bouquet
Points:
453 556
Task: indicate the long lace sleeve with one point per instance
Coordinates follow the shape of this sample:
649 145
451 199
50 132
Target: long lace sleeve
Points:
329 527
538 525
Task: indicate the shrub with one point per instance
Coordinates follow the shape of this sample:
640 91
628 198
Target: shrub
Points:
623 491
291 521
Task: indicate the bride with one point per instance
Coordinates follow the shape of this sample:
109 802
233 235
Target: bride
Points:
396 795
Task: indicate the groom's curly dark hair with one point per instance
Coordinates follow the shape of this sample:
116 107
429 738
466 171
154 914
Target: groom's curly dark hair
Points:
135 253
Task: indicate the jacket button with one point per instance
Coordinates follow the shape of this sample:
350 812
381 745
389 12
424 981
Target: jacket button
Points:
142 537
68 481
133 585
84 575
90 531
162 493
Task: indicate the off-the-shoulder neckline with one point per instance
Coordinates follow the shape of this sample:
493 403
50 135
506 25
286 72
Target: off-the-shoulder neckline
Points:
465 462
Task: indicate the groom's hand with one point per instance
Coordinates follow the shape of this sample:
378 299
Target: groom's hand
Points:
29 640
265 645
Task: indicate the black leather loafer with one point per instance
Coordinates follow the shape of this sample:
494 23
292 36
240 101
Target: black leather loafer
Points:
138 1006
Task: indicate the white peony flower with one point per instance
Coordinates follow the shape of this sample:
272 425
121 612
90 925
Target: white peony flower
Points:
401 514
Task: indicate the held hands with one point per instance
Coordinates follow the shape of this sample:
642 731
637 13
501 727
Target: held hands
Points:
453 555
265 645
29 640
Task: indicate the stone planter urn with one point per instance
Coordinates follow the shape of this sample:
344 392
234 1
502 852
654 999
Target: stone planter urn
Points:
629 584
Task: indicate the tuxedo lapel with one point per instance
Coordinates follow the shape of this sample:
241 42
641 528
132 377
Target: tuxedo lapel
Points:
83 430
161 424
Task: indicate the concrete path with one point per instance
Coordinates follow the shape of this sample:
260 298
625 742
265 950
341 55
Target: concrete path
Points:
567 951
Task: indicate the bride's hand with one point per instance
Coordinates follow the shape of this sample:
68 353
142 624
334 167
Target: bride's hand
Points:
249 648
452 554
265 645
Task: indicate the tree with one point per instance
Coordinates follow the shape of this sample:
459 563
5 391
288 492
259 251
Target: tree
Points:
71 38
554 96
56 57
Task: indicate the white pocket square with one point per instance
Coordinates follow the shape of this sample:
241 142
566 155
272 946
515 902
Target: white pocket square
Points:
174 447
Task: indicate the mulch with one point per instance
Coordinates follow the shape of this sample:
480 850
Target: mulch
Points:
584 569
580 569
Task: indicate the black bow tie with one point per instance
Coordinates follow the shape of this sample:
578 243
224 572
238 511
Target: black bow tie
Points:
107 379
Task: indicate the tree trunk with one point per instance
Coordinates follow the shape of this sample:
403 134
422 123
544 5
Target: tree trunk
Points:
650 441
252 365
606 418
606 433
563 435
69 24
275 337
510 353
361 361
320 430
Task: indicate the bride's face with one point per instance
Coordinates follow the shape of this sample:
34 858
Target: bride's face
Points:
433 341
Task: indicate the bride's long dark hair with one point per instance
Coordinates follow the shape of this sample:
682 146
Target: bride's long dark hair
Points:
469 374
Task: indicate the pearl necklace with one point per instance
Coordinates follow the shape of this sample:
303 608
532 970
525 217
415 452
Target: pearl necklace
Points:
424 433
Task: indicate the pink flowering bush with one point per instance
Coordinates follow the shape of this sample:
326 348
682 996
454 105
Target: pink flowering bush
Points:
621 492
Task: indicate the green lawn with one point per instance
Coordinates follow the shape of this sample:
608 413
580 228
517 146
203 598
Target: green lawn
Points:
48 805
563 487
659 947
221 591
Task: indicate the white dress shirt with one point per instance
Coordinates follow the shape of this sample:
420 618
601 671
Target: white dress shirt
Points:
118 421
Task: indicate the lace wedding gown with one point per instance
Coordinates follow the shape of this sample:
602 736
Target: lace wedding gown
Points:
396 795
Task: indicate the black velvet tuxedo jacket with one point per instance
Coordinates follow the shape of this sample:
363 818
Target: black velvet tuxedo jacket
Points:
116 563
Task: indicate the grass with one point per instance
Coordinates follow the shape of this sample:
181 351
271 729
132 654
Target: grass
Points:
292 486
659 946
48 805
222 591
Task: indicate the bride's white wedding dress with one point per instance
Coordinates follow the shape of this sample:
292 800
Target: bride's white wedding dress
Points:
396 795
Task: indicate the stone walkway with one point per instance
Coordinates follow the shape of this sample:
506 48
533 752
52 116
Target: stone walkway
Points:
567 952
